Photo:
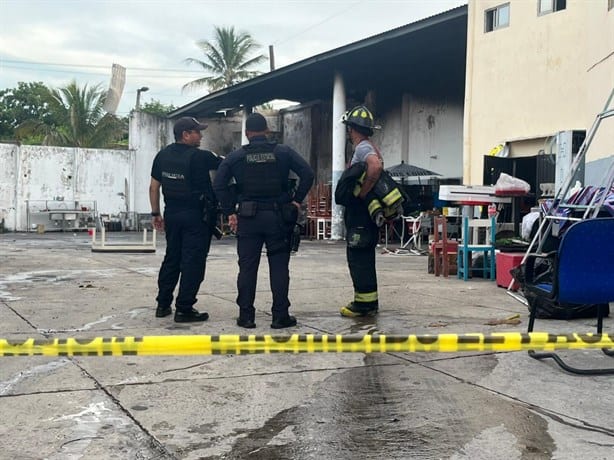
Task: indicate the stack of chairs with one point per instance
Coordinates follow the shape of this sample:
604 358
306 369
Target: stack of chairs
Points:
319 209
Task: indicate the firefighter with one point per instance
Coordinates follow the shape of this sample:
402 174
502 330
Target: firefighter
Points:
266 213
362 233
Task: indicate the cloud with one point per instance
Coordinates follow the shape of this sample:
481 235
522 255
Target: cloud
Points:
152 38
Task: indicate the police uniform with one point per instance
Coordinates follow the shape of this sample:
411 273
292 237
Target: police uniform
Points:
260 170
183 171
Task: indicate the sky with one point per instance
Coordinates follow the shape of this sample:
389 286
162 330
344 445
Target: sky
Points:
56 41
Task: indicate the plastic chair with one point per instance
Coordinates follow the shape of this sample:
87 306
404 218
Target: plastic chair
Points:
442 247
582 274
413 225
471 236
323 228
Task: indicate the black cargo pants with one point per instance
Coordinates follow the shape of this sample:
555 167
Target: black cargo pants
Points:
188 240
264 228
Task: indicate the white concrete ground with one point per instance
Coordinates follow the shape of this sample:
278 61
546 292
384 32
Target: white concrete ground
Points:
344 406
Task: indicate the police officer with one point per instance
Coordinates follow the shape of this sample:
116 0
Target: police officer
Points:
362 233
182 171
265 213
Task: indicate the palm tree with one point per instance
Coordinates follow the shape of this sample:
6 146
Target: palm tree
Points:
82 121
226 58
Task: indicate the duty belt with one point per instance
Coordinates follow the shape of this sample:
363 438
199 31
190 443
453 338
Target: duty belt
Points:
267 206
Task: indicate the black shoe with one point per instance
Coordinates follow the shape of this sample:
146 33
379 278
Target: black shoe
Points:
246 323
161 311
190 316
285 321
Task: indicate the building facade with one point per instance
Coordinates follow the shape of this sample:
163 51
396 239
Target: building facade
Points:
536 68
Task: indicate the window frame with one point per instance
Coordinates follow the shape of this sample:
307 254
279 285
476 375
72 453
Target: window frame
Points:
553 7
495 11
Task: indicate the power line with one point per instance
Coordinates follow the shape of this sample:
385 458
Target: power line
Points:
76 72
279 42
51 70
91 66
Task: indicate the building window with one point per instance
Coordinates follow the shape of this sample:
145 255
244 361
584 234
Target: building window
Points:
551 6
496 18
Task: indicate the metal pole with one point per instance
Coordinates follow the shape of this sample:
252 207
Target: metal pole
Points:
271 58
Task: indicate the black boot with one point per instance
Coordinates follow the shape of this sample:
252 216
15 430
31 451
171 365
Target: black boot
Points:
246 323
190 316
161 311
283 321
247 318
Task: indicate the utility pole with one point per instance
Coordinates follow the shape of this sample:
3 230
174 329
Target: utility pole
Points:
271 58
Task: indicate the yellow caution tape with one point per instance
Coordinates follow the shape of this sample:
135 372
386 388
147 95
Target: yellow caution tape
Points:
300 343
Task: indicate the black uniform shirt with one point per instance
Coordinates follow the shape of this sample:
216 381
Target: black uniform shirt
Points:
202 162
233 167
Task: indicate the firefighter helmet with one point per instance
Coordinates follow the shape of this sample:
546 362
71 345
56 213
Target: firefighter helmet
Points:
359 116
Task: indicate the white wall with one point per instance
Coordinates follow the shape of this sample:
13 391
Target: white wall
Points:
118 180
9 172
433 130
31 172
147 135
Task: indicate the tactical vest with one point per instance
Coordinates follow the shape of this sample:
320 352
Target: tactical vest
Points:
262 176
176 178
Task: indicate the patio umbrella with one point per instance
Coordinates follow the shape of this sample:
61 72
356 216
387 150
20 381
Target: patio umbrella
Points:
410 173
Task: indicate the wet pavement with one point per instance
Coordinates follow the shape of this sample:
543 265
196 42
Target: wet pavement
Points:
280 406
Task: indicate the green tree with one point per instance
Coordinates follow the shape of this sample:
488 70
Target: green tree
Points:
155 107
79 119
226 59
25 102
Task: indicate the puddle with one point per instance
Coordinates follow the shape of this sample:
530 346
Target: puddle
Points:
364 326
394 412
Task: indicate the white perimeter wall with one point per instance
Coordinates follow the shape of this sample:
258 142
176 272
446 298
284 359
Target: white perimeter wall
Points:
118 180
31 172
